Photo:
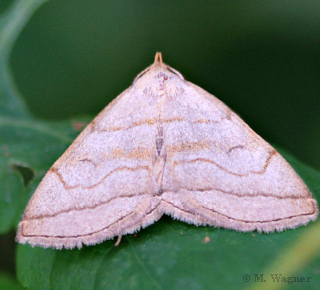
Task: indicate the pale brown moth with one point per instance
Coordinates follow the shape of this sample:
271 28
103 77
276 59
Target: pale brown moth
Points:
164 146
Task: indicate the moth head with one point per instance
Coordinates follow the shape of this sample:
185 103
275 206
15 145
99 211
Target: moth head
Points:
158 77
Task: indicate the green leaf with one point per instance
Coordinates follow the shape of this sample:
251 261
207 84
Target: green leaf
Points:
32 145
9 283
27 146
11 24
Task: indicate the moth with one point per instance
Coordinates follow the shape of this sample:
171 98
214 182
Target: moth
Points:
164 146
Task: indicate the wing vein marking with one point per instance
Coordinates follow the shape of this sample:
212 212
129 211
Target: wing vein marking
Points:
244 221
247 195
153 121
88 207
140 123
233 148
66 186
95 232
272 153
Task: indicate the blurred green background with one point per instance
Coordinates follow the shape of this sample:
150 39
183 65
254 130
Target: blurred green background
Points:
261 58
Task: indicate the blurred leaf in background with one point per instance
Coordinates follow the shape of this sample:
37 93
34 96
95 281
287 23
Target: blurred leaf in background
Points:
28 147
73 57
